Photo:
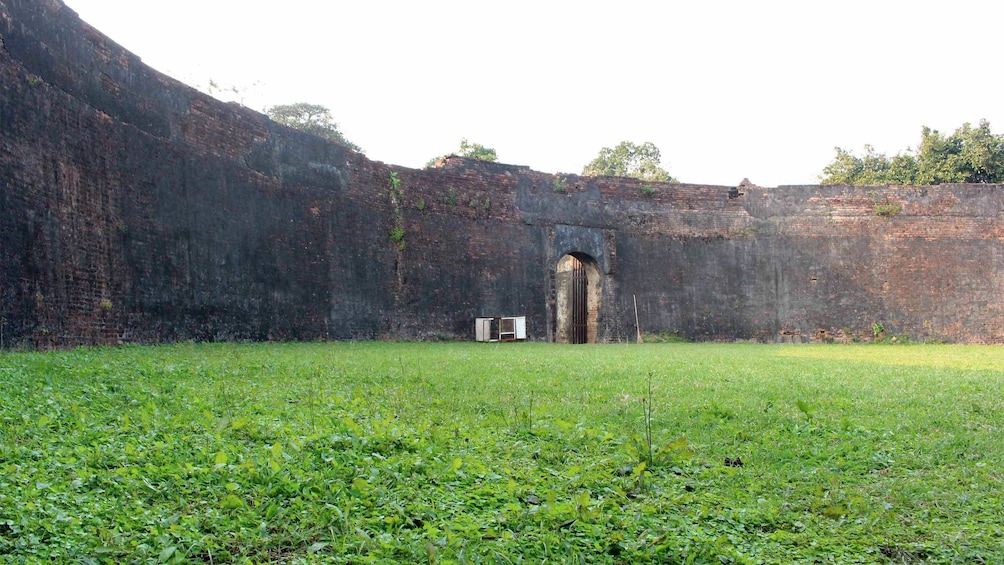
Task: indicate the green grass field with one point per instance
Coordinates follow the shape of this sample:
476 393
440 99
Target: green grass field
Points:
503 453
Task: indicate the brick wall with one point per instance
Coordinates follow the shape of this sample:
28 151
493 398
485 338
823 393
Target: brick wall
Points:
136 209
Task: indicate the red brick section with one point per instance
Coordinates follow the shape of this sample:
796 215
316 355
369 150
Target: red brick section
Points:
136 209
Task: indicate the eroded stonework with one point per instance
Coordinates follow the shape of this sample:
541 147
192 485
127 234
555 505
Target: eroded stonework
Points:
136 209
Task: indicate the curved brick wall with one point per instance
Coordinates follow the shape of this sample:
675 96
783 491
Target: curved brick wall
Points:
136 209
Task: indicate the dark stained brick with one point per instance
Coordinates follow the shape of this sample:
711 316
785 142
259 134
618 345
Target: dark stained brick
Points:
136 209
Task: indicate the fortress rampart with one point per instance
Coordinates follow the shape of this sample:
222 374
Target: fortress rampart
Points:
134 208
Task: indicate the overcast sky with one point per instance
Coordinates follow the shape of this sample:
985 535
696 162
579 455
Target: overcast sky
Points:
726 90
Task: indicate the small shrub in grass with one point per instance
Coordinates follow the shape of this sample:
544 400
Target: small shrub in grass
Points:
664 336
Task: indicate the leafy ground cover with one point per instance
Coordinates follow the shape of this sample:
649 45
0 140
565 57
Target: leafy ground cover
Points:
503 453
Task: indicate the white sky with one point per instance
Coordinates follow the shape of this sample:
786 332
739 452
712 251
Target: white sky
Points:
726 89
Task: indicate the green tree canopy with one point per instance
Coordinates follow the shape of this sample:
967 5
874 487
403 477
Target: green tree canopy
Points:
470 150
629 160
872 168
970 155
311 118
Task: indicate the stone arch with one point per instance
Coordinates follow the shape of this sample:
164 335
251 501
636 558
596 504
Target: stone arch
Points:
578 288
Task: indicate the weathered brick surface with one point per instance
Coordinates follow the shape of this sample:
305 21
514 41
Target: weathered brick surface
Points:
134 208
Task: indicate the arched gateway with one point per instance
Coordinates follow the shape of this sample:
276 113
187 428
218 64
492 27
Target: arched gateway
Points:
578 289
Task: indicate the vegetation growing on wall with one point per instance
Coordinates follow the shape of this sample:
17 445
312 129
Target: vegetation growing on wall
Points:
969 155
470 150
397 202
559 184
887 209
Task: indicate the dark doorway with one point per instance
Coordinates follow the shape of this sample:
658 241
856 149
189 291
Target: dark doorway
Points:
578 289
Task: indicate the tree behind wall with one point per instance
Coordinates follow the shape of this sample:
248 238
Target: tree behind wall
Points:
628 159
970 155
311 118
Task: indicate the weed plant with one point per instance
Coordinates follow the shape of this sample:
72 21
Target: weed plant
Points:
503 453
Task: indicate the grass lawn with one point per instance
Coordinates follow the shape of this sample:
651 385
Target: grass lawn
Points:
503 453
